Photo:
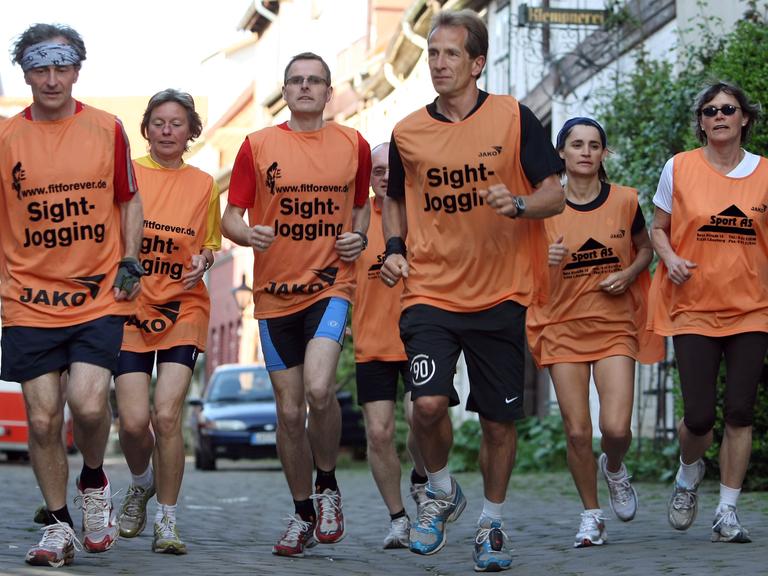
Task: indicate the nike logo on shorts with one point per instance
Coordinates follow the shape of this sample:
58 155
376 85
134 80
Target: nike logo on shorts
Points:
510 400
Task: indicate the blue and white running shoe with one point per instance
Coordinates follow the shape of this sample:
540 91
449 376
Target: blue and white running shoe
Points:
491 553
428 533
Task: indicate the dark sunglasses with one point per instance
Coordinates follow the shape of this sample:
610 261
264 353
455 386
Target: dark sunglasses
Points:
727 110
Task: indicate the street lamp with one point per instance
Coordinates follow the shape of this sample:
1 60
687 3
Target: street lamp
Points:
242 295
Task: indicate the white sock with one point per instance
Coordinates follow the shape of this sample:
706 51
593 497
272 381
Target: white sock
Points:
728 496
439 481
688 474
491 510
169 511
145 479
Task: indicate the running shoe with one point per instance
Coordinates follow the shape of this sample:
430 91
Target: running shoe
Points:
133 511
726 526
419 494
56 548
491 553
591 530
330 518
166 539
297 537
399 530
100 529
428 534
623 497
682 508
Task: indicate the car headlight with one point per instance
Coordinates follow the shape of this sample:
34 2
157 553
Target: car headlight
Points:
227 425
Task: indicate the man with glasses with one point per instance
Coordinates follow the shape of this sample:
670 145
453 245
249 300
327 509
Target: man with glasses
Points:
70 231
471 176
305 186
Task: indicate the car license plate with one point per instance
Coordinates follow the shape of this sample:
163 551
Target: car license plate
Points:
261 438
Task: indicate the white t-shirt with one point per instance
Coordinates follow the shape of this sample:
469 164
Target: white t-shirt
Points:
663 196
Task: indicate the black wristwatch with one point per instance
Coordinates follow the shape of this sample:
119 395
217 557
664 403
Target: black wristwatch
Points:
363 237
520 205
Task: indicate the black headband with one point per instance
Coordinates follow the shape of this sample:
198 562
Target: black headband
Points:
579 121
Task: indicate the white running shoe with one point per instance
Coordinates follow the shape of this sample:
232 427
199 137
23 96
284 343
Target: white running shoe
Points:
591 530
726 526
623 497
399 533
329 528
298 536
100 527
56 548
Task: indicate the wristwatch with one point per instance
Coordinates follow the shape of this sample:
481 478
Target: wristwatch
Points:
520 205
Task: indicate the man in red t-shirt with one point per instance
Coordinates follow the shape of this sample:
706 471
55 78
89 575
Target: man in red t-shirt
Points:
70 230
305 186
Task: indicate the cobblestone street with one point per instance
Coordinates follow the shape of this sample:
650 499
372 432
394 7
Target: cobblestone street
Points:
230 519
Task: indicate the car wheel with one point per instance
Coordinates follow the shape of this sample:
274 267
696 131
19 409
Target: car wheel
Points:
204 460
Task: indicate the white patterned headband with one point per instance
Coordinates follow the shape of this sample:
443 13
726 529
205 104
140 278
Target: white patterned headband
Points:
49 54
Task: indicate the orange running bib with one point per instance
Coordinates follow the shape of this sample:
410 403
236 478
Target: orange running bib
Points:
462 256
580 322
376 312
176 206
721 224
306 189
59 224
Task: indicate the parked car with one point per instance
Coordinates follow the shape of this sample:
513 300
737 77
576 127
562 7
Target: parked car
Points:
14 430
236 417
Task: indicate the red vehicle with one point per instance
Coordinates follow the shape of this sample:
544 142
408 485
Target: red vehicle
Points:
14 432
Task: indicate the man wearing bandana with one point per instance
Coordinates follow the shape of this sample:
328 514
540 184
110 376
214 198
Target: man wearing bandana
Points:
70 229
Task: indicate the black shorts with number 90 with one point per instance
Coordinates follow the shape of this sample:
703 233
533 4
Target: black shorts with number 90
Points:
493 342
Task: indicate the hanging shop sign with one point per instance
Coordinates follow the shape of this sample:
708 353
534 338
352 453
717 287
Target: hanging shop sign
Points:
539 16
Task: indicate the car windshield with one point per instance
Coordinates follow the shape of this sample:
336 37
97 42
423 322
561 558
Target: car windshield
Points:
241 386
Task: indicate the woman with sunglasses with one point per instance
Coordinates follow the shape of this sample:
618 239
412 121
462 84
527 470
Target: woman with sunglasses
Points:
594 321
711 295
181 232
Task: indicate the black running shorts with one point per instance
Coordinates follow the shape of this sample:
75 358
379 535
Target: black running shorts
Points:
377 380
493 342
284 339
31 352
145 361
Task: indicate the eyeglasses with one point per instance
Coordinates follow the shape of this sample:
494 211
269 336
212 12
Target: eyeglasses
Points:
727 110
380 172
311 80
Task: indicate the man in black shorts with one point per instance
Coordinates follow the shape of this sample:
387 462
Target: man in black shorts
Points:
70 230
471 177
